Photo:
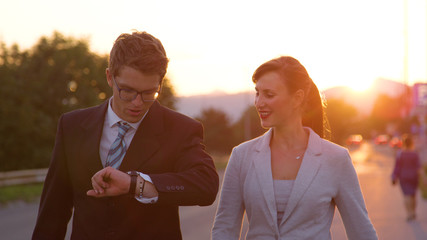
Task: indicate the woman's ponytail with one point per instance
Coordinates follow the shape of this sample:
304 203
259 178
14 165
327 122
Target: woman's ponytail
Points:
314 115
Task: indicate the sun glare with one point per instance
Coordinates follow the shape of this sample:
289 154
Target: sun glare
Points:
360 86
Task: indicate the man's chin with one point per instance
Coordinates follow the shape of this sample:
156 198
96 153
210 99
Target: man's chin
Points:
134 120
133 117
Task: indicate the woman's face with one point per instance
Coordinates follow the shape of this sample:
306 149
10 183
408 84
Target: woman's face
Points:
275 105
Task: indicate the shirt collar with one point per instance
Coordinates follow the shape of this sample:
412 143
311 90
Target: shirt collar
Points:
112 117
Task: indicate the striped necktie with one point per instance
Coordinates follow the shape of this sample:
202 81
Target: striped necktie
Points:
118 148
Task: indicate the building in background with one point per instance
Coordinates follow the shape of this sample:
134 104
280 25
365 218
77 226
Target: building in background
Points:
419 109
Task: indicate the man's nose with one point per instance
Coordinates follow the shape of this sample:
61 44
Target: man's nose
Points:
138 100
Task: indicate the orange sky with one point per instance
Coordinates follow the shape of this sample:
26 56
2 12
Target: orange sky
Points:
216 45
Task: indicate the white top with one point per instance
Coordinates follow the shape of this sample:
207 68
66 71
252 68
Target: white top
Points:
282 192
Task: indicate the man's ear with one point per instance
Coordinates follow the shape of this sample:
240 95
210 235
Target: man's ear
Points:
161 85
109 78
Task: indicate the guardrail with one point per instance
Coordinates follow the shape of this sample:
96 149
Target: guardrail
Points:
22 177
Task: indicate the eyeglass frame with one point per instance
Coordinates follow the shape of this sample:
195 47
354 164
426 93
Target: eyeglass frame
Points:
137 93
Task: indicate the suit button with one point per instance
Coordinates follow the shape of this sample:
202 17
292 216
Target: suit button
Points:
182 187
168 188
173 187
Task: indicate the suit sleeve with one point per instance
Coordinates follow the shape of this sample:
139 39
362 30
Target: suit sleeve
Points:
351 204
56 201
194 180
228 220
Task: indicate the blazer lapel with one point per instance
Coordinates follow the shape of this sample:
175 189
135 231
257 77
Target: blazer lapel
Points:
262 163
308 170
146 141
93 126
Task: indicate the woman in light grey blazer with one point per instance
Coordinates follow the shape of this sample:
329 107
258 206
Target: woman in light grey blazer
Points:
290 179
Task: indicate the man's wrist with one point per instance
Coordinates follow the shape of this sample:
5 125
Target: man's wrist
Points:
145 191
140 186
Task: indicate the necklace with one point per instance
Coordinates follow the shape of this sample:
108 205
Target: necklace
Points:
299 156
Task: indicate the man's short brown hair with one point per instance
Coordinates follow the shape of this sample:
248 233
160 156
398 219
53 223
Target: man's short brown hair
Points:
140 51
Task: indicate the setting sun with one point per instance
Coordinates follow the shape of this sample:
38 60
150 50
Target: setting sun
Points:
360 86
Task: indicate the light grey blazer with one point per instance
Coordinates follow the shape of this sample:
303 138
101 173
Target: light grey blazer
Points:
325 179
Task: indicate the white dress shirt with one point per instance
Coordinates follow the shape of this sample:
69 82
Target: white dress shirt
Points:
109 134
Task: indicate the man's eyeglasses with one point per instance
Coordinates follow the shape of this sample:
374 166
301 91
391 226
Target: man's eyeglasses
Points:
130 94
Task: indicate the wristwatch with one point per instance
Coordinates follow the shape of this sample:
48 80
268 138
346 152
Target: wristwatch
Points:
133 176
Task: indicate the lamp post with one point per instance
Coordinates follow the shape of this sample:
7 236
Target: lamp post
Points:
405 94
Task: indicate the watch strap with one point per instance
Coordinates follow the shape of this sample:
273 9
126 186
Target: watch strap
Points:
133 177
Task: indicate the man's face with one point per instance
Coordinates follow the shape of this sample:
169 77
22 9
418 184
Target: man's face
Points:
131 79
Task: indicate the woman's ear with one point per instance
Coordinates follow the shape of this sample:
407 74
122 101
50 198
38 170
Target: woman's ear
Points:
298 98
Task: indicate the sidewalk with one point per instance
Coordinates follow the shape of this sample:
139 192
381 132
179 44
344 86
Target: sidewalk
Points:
385 207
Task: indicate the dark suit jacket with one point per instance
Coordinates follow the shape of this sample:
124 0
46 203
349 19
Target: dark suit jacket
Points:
167 146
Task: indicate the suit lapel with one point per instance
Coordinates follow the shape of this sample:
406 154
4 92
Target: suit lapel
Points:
308 170
262 163
146 141
93 126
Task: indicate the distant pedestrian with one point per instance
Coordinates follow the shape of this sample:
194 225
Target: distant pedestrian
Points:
407 171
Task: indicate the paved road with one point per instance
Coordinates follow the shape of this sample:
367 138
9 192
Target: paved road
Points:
17 221
373 164
384 201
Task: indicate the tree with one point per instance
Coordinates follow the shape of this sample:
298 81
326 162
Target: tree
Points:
248 126
342 118
218 134
387 110
167 95
58 74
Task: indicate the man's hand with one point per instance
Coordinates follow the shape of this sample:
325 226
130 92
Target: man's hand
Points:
109 182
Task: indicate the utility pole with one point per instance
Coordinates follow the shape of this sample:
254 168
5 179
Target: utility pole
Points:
405 60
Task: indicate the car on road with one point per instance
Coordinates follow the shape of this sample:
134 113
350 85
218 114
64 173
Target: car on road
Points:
395 142
382 139
354 140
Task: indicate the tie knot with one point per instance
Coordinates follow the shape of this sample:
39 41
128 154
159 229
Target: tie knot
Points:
123 127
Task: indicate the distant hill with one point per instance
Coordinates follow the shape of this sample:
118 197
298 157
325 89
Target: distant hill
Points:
235 104
364 101
232 104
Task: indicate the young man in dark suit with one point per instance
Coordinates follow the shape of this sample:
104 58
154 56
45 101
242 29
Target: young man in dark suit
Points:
126 165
